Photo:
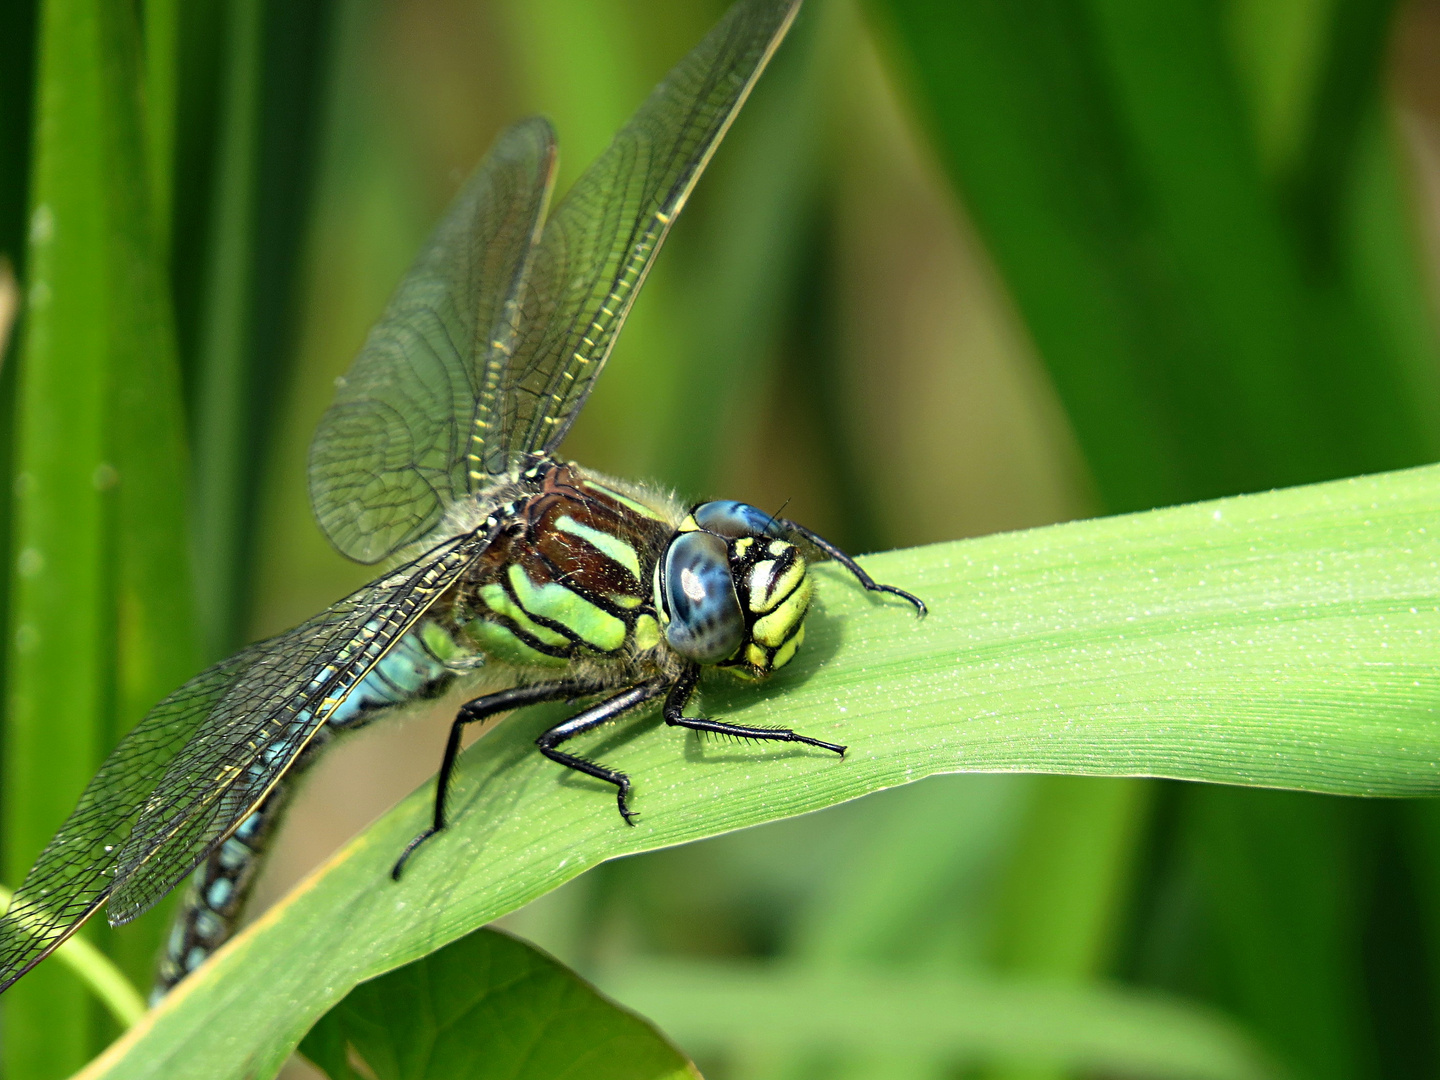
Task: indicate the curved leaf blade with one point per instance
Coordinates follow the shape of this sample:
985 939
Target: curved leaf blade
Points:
1283 639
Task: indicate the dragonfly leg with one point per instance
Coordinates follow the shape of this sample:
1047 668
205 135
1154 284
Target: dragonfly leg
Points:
866 581
679 697
479 709
593 717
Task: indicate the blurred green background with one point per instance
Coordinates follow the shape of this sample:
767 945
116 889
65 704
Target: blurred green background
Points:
962 266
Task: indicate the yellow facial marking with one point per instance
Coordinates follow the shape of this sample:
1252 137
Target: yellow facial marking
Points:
784 654
766 593
774 628
757 656
760 584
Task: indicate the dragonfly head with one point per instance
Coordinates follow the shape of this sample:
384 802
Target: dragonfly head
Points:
732 592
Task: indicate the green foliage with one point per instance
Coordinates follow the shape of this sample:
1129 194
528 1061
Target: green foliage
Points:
1211 329
1199 214
1242 641
488 1006
99 613
966 1020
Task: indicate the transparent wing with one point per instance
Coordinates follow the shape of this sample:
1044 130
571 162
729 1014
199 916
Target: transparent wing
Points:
601 240
201 760
264 720
394 448
73 874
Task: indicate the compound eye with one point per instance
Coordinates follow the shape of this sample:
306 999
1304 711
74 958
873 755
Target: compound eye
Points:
730 518
706 624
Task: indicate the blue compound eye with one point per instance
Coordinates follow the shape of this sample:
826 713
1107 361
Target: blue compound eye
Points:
730 518
705 622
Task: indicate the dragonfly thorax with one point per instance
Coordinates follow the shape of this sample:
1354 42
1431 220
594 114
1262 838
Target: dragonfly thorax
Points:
565 574
730 592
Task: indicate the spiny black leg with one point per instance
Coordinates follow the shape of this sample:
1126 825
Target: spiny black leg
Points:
593 717
482 707
679 697
866 581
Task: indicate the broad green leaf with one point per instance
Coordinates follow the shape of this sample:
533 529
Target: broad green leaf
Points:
956 1019
1282 639
488 1006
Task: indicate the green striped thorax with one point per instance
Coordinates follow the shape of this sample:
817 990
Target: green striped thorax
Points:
731 591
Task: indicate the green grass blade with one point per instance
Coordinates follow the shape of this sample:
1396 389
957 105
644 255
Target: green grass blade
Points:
97 971
1346 98
1279 51
488 1007
59 619
1281 876
957 1019
100 612
154 629
1281 639
274 61
221 396
748 251
1069 876
162 72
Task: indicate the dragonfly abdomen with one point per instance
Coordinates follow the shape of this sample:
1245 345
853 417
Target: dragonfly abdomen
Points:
422 664
218 889
419 665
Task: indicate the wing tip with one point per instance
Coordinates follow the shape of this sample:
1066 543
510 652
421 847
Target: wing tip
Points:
16 961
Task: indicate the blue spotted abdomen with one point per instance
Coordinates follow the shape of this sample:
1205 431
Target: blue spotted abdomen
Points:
419 665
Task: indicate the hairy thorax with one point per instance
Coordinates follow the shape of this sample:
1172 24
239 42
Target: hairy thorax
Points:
567 580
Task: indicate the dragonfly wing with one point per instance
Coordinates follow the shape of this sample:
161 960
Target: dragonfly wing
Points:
392 451
111 841
290 687
602 238
73 875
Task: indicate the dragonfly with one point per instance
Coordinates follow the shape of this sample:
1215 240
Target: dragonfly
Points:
438 457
